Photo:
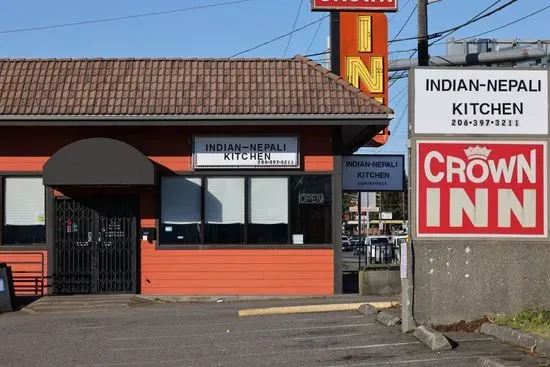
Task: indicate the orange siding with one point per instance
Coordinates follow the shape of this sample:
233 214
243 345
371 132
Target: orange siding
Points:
167 146
236 272
28 277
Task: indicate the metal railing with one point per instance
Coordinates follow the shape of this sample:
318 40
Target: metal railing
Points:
377 254
27 280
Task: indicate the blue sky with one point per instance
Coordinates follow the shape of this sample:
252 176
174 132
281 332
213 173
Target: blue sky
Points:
226 30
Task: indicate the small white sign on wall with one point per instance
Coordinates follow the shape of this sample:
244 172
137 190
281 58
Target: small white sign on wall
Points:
245 152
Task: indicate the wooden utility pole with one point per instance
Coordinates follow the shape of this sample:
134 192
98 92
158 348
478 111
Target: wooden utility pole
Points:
423 52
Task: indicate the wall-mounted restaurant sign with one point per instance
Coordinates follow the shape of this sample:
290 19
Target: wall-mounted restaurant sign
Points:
245 152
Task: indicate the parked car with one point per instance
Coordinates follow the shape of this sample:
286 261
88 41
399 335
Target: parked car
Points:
355 240
346 244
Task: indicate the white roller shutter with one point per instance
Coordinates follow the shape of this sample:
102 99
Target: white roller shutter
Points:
268 200
224 202
24 201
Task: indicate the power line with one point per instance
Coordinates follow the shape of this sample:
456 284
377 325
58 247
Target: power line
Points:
395 128
294 26
404 24
314 37
279 37
104 20
505 25
455 28
474 17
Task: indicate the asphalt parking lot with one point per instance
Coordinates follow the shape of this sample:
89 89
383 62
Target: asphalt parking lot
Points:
211 334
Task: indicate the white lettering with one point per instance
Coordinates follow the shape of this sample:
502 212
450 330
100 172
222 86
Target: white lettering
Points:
433 207
502 169
477 212
427 166
455 166
509 203
484 171
528 167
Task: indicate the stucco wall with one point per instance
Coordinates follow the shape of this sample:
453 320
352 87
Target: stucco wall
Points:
468 279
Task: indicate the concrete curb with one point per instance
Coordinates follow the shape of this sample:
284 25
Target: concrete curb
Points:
311 308
214 299
535 343
494 362
389 318
434 340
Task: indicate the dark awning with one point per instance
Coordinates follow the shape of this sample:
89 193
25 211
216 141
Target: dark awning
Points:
99 161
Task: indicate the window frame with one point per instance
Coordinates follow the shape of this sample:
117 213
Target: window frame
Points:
14 246
246 174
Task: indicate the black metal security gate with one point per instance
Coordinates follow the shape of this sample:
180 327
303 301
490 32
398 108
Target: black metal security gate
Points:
95 245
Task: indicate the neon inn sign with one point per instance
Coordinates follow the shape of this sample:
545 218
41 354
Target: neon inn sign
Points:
481 189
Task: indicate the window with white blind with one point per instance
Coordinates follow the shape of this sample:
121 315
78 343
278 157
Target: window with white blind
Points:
224 204
24 211
180 210
268 210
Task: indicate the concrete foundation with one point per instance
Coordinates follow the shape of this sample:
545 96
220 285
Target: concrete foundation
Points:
466 280
380 282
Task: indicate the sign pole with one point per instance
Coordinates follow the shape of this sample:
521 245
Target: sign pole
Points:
423 51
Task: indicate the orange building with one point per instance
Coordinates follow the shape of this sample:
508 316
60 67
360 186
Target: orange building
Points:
176 176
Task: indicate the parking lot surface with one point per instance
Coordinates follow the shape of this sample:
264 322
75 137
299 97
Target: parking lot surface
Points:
211 334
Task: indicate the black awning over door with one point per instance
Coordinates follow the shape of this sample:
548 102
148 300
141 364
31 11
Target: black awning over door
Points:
99 161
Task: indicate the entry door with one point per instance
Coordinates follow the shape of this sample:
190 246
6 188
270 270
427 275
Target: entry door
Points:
95 245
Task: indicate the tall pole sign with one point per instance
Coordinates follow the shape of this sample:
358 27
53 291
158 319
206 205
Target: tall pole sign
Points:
359 46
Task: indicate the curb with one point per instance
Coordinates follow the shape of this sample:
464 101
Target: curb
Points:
311 308
536 344
494 362
389 317
433 339
228 299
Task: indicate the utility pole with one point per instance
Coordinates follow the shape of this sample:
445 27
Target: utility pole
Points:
423 52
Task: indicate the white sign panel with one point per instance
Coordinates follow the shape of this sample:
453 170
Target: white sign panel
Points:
373 172
246 152
488 102
387 216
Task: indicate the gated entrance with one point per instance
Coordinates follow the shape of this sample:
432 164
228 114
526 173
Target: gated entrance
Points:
95 245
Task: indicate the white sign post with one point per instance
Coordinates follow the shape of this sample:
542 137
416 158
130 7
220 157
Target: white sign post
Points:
373 173
464 101
245 152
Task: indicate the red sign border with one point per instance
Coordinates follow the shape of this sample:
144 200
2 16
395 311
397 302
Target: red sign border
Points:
451 236
364 8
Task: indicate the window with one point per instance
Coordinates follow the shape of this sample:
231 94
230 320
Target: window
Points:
246 210
180 210
24 211
268 210
224 210
311 204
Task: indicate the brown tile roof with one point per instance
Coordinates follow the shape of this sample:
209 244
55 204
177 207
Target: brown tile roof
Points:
138 87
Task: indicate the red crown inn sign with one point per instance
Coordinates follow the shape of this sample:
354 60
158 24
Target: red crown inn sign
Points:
350 5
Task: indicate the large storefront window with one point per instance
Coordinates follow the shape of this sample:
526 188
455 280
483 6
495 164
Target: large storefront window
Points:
246 210
24 211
